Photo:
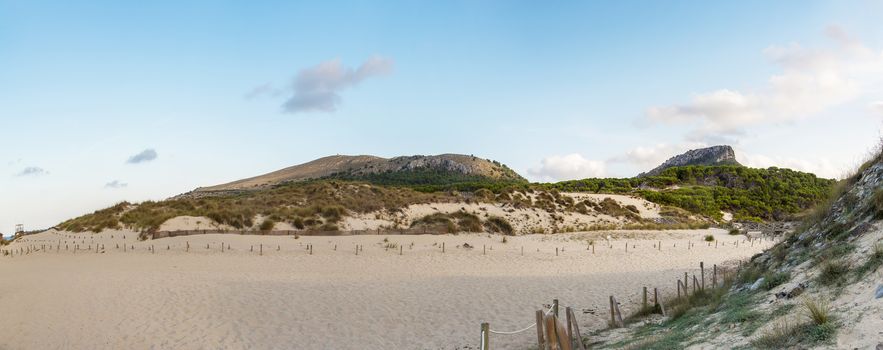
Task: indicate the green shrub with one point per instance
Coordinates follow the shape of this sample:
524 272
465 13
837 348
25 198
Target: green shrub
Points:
498 224
709 238
832 272
267 225
873 263
774 279
818 311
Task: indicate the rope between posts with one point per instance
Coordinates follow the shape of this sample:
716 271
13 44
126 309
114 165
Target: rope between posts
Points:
523 329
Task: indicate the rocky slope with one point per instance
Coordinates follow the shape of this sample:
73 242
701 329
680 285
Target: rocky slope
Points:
365 166
820 287
715 155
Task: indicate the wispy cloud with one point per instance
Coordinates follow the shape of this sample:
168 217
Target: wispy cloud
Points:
811 80
317 89
32 171
143 156
116 184
877 107
568 167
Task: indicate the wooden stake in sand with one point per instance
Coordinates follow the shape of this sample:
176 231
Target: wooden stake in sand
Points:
714 276
555 307
540 343
485 329
615 313
644 304
702 273
575 331
262 249
443 247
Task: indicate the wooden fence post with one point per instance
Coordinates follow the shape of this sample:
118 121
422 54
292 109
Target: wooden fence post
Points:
485 328
702 272
714 276
644 304
579 337
540 343
555 307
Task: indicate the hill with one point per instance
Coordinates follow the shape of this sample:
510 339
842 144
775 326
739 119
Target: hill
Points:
819 287
444 168
748 193
715 155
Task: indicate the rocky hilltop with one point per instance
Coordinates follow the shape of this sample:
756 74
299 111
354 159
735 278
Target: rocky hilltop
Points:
418 168
715 155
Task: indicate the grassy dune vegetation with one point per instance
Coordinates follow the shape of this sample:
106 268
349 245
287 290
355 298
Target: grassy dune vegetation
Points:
753 194
750 194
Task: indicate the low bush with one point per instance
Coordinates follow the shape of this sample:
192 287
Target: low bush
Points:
832 273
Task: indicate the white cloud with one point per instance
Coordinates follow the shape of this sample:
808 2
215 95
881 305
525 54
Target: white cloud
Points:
810 81
877 107
568 167
143 156
32 171
317 88
822 167
116 184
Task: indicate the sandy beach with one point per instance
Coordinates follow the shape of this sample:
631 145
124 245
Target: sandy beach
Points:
271 293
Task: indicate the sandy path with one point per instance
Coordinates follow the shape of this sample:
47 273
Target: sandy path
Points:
288 299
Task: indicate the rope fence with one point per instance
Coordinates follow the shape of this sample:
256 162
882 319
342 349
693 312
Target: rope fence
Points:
553 334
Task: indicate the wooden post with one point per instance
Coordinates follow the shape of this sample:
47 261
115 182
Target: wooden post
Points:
686 282
555 307
626 247
644 304
702 273
522 250
576 332
593 247
714 276
679 289
443 247
188 246
715 243
311 249
612 313
655 297
550 324
485 329
660 245
483 249
540 343
617 319
401 248
569 326
556 251
262 249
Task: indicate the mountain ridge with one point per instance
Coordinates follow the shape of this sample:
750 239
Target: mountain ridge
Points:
364 166
711 156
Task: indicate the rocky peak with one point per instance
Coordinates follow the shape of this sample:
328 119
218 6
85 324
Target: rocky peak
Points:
714 155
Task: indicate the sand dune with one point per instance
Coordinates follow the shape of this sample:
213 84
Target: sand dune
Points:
332 299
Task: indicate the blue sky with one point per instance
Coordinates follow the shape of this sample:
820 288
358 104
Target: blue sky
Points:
209 92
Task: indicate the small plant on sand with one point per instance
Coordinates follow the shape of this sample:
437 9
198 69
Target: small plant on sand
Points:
709 238
774 279
267 225
832 273
735 232
873 263
777 337
818 311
